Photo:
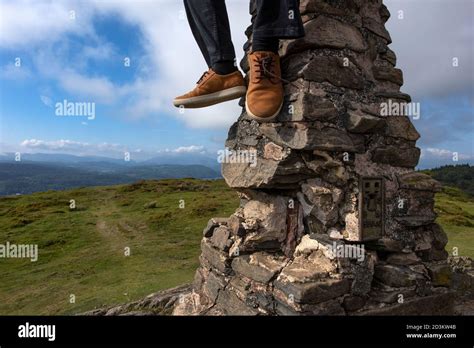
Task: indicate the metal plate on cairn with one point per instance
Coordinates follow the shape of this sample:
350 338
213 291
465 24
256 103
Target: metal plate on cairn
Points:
371 208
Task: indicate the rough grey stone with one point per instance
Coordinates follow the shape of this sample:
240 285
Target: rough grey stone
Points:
266 216
332 70
308 107
414 221
401 157
305 269
440 238
212 224
220 238
259 266
362 123
313 292
353 303
326 32
388 74
363 276
213 284
215 257
230 304
266 173
377 28
335 8
396 276
418 181
235 225
324 200
436 304
403 259
401 127
301 136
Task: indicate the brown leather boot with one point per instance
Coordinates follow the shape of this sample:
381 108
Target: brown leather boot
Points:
213 88
265 91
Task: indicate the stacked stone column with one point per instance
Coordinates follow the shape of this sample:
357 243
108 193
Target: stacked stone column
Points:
334 172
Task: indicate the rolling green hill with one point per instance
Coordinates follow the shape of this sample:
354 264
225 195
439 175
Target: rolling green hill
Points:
82 250
455 211
460 176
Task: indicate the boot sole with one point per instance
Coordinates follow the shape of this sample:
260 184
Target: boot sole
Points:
262 119
212 98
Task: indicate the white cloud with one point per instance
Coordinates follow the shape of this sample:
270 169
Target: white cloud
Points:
98 149
72 146
62 144
35 26
170 67
176 60
190 149
425 41
52 66
97 88
27 23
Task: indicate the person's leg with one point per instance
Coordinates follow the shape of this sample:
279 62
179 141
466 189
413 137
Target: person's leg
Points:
195 30
269 44
274 19
223 81
209 24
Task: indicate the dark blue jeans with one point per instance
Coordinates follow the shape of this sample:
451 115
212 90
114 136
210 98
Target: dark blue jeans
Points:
209 23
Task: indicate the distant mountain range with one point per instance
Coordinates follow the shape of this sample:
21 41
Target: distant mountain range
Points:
42 172
101 162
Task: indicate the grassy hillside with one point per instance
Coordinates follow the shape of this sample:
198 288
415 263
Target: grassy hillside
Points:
82 250
460 176
456 214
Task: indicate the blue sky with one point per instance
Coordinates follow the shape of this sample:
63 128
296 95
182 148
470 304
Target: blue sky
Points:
75 50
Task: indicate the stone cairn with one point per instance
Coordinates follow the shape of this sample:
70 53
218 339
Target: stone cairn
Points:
333 218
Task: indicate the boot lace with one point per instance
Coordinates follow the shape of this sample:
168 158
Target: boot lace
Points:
264 68
203 76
